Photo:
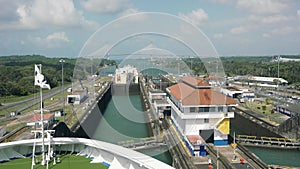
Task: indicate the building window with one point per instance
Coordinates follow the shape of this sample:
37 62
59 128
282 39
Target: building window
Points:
220 109
203 109
212 109
192 109
206 120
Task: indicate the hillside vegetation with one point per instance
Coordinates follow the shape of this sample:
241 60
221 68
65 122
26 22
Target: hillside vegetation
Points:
254 66
17 73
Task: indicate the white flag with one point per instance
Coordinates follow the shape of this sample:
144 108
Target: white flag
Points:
39 78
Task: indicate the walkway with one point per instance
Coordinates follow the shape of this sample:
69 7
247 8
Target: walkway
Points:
269 141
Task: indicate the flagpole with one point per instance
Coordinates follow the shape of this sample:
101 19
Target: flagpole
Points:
42 120
40 80
33 151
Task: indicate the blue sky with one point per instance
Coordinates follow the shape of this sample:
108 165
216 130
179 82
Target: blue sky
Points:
60 28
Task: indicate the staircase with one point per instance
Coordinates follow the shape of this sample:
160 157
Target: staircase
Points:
223 125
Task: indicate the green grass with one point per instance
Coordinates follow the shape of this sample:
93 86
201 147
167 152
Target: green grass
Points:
67 162
259 107
9 99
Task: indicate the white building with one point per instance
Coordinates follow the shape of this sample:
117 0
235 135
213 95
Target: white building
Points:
269 82
267 79
36 120
77 97
159 101
237 92
126 74
281 59
198 110
215 80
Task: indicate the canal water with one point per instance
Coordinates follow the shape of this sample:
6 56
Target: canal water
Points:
275 156
282 157
124 122
116 127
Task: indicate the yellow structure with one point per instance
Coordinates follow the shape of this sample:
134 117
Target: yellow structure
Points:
224 126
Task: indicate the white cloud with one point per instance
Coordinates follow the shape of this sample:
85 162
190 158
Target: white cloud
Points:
37 13
105 6
196 17
8 10
60 36
239 30
53 40
298 13
218 35
129 11
262 6
283 30
222 1
270 19
266 35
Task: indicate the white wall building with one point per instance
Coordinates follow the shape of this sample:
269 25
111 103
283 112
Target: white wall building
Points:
36 120
126 74
158 99
77 97
215 80
196 109
237 92
268 82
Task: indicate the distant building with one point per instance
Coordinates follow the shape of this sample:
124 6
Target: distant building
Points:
198 110
160 104
58 113
77 97
215 80
237 92
36 120
281 59
288 109
126 75
269 82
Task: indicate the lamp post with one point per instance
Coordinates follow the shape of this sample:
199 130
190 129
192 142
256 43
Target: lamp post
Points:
62 61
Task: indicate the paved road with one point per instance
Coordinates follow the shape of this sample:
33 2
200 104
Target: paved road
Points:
45 96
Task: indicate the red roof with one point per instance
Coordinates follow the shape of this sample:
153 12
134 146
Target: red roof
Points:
38 117
197 96
216 78
194 81
233 88
193 139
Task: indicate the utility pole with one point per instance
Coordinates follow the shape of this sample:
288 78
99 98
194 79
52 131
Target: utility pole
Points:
62 61
217 158
278 60
93 82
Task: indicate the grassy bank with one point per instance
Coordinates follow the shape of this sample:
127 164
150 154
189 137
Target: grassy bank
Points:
67 162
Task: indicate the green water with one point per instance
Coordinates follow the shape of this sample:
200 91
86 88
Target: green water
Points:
160 153
282 157
123 120
275 156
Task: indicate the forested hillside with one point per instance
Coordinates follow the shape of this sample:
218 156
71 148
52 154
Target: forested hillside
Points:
17 73
255 66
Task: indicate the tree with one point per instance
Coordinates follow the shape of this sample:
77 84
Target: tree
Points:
268 101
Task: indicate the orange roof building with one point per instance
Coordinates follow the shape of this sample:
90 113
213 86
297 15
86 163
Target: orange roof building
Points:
36 120
197 109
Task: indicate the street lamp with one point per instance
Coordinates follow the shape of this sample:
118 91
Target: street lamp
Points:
278 70
62 61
